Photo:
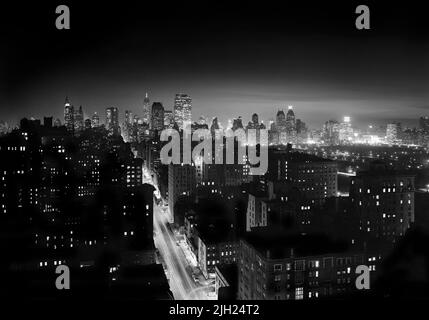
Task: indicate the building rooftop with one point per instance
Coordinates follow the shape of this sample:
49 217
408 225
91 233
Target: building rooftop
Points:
379 168
216 234
295 156
276 243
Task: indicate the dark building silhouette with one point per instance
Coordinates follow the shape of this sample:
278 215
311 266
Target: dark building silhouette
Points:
112 121
277 266
384 201
157 116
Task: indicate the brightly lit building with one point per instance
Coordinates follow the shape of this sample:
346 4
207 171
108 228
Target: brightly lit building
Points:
95 120
393 131
68 115
345 131
182 110
146 110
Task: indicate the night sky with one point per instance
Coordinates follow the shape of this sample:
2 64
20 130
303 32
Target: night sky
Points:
233 60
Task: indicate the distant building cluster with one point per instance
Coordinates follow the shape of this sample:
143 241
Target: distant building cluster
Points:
286 129
394 133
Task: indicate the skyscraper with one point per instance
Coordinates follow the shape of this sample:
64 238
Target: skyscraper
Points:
88 124
214 126
237 124
283 130
280 135
146 110
280 119
157 122
68 115
254 124
331 132
392 132
424 123
112 121
168 119
127 126
129 117
78 120
95 120
290 125
345 130
182 110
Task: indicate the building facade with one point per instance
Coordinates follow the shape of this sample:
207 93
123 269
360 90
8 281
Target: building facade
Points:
268 272
384 201
112 121
182 110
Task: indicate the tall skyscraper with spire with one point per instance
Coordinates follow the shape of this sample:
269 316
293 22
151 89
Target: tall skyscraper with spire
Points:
68 115
182 110
147 115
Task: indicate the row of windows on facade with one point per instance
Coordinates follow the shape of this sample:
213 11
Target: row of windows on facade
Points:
55 263
384 190
312 264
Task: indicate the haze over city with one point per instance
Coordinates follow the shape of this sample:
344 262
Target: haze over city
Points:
233 61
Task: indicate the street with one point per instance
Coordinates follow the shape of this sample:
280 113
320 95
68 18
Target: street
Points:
178 269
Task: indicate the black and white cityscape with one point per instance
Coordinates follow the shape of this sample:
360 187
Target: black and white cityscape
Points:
341 114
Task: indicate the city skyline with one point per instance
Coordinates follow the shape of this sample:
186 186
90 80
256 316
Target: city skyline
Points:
265 117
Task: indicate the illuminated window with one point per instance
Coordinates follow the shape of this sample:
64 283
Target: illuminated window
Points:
277 267
299 293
